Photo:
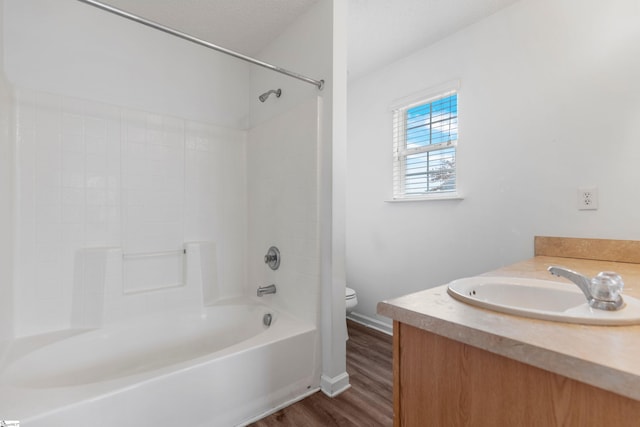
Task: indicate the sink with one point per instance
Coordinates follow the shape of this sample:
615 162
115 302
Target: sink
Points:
540 299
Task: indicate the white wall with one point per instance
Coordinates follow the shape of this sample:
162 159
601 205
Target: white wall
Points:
282 178
549 101
66 47
335 377
309 46
130 139
305 48
6 202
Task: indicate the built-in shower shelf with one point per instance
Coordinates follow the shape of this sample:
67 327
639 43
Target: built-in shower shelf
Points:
134 255
152 271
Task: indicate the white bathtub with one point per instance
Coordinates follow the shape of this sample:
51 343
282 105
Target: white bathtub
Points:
220 366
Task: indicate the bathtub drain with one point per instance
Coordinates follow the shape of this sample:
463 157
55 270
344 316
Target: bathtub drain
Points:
266 319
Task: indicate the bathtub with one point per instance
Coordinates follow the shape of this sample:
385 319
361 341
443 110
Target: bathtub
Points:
217 366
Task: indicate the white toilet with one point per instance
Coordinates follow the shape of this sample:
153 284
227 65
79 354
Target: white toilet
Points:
351 299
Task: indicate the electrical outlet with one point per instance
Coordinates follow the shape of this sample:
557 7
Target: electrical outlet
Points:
587 198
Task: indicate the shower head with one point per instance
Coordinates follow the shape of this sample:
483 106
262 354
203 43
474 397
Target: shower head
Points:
265 95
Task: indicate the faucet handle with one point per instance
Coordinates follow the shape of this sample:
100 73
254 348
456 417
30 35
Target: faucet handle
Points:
272 258
607 286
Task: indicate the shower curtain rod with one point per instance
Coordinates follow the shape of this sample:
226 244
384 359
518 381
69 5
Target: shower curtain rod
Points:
148 23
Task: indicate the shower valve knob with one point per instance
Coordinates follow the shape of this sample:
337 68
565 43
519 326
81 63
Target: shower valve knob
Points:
272 258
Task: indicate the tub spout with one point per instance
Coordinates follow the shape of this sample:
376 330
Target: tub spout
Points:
262 290
602 292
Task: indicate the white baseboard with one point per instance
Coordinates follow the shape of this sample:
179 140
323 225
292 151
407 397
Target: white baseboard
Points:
371 322
336 385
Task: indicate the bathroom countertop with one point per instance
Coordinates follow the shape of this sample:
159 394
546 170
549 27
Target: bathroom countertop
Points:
603 356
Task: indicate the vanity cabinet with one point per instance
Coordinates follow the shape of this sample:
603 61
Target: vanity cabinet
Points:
459 365
442 382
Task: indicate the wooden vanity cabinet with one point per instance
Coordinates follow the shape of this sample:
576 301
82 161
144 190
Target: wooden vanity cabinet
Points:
442 382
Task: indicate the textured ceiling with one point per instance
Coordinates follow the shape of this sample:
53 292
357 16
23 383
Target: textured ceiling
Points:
379 32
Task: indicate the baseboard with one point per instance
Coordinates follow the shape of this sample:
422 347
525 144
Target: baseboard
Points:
336 385
371 323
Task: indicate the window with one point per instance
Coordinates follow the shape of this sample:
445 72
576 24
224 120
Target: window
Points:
425 136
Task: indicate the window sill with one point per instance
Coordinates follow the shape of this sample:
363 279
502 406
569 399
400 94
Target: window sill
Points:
433 197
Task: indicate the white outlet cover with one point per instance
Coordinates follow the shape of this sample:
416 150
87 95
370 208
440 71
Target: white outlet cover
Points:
587 198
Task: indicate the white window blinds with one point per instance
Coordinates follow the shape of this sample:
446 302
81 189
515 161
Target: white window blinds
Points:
425 137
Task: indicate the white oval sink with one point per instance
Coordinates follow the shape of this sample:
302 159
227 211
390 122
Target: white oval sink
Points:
540 299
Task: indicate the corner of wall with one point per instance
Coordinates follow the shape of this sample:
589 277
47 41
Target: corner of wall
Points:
6 199
309 46
303 47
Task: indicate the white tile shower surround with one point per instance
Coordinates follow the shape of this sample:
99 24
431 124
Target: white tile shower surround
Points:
90 188
96 175
282 160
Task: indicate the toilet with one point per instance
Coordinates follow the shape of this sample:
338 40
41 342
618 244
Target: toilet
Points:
351 300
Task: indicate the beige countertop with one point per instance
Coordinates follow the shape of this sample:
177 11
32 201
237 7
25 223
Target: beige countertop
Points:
607 357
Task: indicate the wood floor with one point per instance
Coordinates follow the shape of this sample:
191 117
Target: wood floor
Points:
369 401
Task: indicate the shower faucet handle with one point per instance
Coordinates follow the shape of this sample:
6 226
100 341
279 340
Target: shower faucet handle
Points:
272 258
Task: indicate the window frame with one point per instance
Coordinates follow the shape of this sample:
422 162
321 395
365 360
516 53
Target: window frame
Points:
401 152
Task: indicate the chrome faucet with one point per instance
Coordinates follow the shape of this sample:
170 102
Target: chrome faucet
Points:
602 292
262 290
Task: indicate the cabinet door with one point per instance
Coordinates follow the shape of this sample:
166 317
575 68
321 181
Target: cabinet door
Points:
442 382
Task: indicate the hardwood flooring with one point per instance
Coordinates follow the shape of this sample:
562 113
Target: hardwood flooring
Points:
369 401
